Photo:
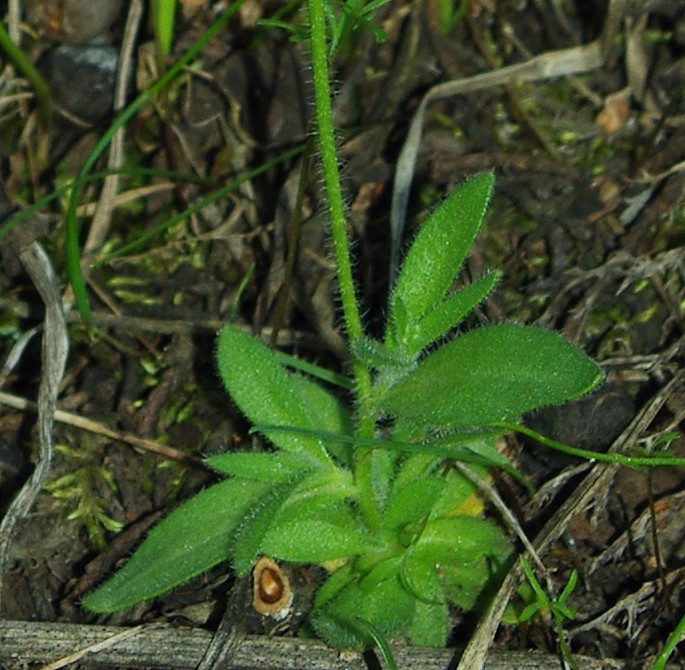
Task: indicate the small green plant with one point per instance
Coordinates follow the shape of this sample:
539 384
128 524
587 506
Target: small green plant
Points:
397 527
20 60
366 487
450 12
540 604
344 20
78 490
670 645
163 18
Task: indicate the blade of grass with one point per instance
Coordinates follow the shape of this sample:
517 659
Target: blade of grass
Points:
26 68
200 204
381 642
163 15
74 269
324 374
454 451
40 204
673 640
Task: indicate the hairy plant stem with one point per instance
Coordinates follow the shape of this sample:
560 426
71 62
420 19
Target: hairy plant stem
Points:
336 212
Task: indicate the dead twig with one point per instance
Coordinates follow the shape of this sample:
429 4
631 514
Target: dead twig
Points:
97 647
545 66
100 429
173 648
54 357
101 221
595 482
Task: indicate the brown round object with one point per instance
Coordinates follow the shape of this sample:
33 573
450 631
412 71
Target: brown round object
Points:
72 21
270 586
271 593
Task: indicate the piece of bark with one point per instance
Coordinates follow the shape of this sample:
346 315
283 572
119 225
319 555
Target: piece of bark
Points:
169 647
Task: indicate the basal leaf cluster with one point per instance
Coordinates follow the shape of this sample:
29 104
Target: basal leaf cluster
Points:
426 546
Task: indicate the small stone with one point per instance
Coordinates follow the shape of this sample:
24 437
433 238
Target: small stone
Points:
81 78
72 21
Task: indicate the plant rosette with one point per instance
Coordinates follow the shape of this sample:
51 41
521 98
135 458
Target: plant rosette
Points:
400 531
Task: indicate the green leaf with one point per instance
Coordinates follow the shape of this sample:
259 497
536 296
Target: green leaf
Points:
465 551
315 522
299 502
494 373
450 312
436 256
481 453
416 466
430 625
539 590
412 502
529 612
459 540
276 467
315 495
193 538
389 608
265 392
570 586
382 471
327 414
248 538
340 513
386 568
391 365
314 370
420 578
335 583
457 489
376 355
311 541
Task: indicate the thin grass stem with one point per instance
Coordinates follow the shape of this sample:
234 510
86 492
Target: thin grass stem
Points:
620 459
74 269
26 68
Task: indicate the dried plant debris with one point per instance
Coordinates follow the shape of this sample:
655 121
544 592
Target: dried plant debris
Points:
201 225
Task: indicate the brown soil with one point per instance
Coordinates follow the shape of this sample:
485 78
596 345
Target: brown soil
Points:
587 224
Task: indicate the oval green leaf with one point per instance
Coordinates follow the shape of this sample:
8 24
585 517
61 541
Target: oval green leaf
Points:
495 373
328 414
467 552
437 254
195 537
450 312
276 467
389 608
311 541
265 392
